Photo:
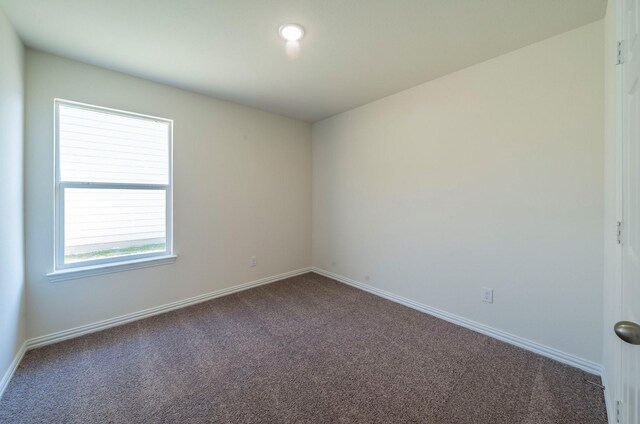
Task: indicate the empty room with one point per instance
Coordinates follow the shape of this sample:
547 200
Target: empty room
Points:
320 211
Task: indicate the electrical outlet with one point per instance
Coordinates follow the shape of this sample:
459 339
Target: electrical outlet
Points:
366 278
253 261
486 294
333 263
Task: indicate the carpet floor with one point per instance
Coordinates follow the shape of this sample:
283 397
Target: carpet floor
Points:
306 350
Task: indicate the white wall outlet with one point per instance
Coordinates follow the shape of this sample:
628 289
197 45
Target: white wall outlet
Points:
253 261
486 294
366 278
333 263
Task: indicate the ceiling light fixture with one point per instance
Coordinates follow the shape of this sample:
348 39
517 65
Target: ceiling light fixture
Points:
291 32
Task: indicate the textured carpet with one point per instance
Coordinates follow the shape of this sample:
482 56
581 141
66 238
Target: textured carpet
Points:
307 350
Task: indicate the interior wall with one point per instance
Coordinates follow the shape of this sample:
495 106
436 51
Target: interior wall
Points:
612 293
242 187
12 281
488 177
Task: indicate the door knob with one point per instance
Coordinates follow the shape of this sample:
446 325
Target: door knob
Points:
628 331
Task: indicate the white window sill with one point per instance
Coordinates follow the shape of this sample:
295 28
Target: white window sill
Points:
89 271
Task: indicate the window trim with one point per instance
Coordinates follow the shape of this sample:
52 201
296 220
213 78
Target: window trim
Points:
89 271
118 263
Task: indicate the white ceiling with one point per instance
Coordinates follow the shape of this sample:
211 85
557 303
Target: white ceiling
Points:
354 51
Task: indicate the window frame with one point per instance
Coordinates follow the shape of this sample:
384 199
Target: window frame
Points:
125 262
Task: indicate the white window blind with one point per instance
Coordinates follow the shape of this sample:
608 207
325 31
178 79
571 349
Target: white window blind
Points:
113 185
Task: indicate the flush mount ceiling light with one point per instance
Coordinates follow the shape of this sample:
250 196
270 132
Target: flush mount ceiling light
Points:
291 32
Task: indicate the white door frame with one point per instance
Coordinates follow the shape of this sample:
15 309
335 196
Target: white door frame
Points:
614 389
613 383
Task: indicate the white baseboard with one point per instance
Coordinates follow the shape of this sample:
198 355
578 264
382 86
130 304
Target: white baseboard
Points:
124 319
549 352
12 368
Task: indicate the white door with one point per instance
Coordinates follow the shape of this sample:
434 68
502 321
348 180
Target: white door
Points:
630 408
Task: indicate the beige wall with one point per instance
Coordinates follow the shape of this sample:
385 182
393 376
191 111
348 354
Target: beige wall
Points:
242 187
491 176
12 281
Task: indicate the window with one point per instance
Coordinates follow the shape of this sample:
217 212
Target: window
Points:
113 186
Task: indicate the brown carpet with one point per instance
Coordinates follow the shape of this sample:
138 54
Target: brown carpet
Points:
307 350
